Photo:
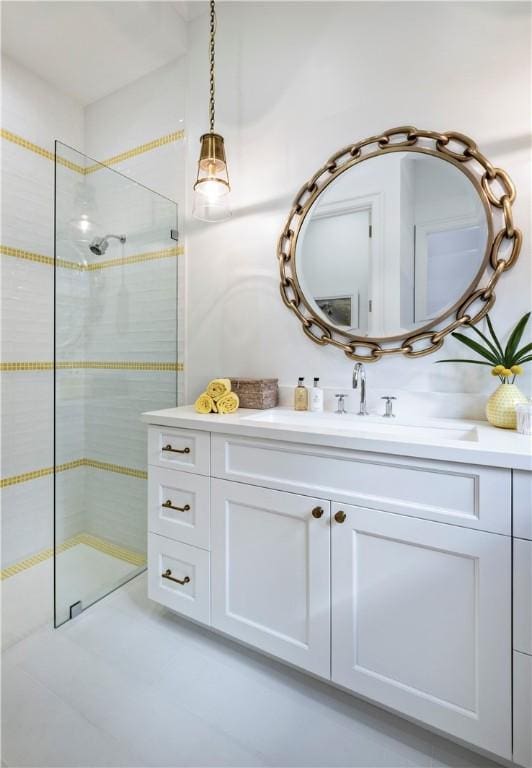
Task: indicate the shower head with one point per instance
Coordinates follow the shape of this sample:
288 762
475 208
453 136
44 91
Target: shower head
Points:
100 244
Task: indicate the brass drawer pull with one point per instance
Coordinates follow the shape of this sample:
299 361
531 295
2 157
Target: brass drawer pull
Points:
317 512
175 450
340 516
168 575
168 505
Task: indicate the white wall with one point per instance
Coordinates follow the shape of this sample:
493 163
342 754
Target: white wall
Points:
139 113
37 112
295 82
142 111
101 315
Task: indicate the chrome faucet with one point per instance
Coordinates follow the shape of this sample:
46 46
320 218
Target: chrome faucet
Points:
359 374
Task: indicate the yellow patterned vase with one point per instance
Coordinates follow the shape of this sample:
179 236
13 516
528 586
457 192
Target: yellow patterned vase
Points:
500 408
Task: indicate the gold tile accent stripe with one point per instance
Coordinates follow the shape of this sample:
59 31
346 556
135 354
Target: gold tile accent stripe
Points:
38 473
140 150
29 145
108 365
108 548
39 557
102 545
19 253
163 253
141 474
126 365
13 137
23 366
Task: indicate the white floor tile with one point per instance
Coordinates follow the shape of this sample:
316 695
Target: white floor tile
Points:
86 574
445 754
128 682
157 730
40 730
27 602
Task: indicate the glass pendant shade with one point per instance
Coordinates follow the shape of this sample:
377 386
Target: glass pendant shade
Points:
211 190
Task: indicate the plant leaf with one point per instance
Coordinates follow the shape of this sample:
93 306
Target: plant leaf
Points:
524 360
513 341
461 360
478 348
498 356
494 336
522 351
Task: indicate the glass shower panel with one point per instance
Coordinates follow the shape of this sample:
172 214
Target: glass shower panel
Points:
115 356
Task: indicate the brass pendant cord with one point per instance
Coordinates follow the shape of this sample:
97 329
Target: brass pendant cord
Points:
211 70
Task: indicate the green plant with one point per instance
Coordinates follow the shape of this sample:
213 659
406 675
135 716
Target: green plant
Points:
504 362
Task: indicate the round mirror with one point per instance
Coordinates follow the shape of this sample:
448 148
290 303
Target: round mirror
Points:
391 245
391 237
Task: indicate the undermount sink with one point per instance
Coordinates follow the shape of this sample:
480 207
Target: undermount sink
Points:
434 430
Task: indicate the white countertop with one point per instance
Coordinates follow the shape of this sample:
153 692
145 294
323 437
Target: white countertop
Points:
427 438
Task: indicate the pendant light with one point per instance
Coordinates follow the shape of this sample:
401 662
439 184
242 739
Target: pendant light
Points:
211 190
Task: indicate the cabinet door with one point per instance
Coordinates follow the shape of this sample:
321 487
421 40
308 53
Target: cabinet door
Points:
523 709
271 572
421 621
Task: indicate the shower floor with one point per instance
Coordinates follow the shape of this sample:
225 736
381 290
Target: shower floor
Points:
84 572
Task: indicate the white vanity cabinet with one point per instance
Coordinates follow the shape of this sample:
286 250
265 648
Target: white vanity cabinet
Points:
420 620
271 573
390 576
522 618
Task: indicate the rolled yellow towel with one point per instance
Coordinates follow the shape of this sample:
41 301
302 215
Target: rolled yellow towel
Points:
205 404
228 403
218 387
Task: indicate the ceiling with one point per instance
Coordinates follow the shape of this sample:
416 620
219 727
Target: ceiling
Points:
91 48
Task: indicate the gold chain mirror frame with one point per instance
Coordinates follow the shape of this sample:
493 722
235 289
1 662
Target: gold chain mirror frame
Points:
473 306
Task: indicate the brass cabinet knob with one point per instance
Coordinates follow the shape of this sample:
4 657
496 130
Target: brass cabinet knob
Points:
340 516
317 512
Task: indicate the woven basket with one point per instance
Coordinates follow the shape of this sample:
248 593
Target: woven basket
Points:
256 393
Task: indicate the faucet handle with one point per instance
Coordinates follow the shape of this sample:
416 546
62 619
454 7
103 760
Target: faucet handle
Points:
340 404
388 409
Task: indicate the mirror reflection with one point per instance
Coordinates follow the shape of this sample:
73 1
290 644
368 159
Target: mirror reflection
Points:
392 244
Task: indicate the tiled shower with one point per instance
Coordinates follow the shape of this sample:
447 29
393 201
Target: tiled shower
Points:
115 355
118 343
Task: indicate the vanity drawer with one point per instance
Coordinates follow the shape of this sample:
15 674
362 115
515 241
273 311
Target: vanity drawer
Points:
522 566
448 492
185 449
522 709
181 562
522 500
179 506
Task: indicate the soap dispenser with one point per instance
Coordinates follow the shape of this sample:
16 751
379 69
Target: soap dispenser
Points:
316 396
300 396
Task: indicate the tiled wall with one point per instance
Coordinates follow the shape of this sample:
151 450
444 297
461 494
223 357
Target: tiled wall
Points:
116 315
114 433
33 114
116 121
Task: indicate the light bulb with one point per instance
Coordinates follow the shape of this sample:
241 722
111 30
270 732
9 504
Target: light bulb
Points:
212 188
211 198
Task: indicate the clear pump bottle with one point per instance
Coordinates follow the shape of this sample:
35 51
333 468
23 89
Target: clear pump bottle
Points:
301 396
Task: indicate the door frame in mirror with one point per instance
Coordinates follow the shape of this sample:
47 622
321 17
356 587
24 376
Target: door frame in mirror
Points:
502 248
